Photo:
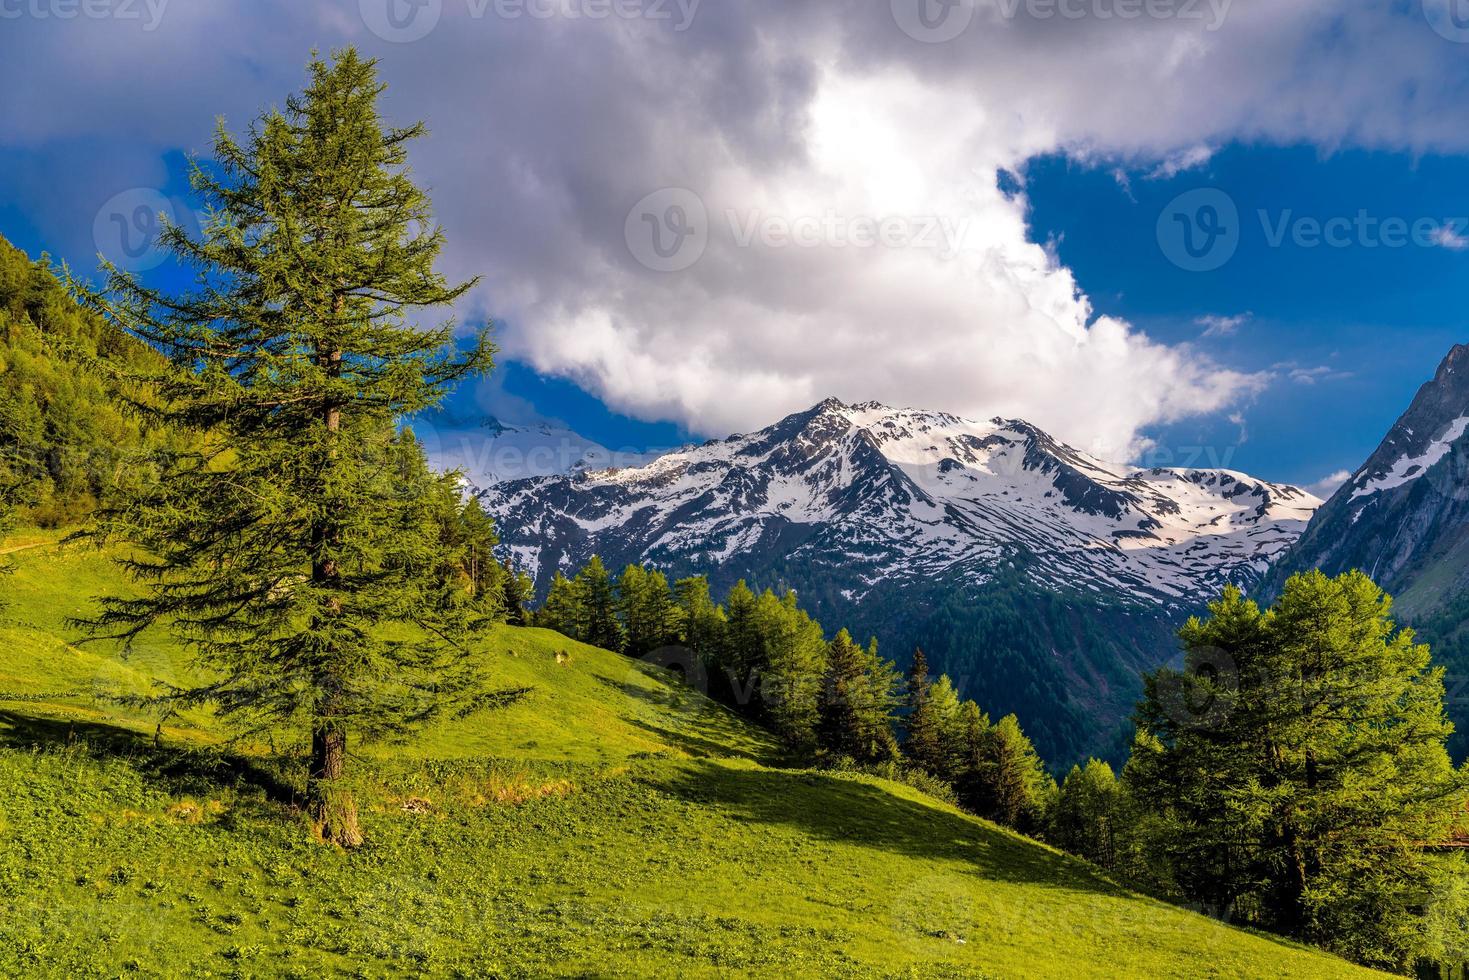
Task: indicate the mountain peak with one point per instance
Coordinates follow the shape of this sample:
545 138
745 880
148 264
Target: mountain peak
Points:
875 494
1405 508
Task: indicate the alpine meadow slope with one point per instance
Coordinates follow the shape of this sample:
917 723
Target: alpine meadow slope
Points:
1043 580
603 824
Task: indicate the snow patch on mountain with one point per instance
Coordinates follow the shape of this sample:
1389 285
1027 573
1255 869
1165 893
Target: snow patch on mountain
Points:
882 495
1410 468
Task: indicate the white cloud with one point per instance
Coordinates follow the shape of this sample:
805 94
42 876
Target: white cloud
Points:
1328 485
1223 326
1313 375
1449 237
546 133
1176 163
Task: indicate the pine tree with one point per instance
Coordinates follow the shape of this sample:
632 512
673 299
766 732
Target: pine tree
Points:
925 743
632 587
284 551
854 709
701 622
1087 813
1006 781
484 575
518 591
744 646
597 604
1307 798
646 608
562 610
790 677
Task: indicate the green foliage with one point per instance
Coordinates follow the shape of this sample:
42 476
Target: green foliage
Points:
560 611
1088 814
1005 779
1300 769
596 604
855 707
67 438
613 822
933 741
300 552
646 609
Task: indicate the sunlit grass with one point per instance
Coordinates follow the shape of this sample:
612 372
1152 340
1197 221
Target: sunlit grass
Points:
611 823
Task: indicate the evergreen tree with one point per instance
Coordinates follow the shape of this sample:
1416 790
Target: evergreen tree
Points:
596 599
284 551
518 591
1006 781
927 742
647 610
485 577
632 587
1087 812
744 645
562 610
854 708
790 678
701 622
1308 797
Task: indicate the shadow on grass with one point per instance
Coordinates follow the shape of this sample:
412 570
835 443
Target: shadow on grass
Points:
852 812
705 727
181 771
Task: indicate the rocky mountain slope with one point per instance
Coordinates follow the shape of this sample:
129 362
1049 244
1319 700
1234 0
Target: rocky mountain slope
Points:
1403 517
1042 579
877 496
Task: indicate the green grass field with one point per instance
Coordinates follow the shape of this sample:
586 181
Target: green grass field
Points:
610 824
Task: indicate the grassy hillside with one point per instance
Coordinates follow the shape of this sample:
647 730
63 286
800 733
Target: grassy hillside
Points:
609 824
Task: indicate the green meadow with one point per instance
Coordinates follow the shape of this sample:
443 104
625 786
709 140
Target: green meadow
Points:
609 823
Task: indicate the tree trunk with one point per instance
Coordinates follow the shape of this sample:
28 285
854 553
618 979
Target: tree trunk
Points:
333 810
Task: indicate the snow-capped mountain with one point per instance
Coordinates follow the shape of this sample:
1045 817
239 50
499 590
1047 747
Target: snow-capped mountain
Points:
1403 517
875 496
1043 580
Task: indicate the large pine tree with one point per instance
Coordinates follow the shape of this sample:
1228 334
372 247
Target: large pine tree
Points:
296 554
1300 766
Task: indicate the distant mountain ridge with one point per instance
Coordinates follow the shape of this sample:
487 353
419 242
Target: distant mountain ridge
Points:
1403 517
495 451
879 495
1042 579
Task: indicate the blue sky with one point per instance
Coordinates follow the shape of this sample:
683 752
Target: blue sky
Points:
1379 319
1059 164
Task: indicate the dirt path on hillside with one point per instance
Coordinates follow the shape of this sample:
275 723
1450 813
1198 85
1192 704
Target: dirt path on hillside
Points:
25 547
